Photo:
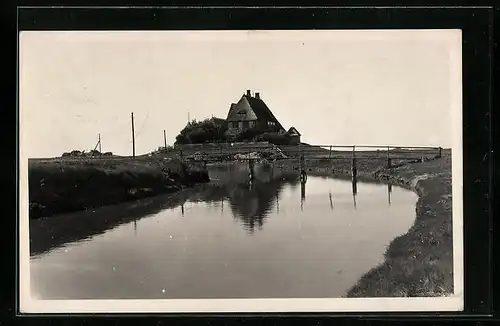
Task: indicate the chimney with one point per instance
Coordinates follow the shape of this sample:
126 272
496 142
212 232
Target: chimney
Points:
248 93
257 95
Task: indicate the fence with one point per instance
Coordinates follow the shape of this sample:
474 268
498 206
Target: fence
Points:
229 151
252 150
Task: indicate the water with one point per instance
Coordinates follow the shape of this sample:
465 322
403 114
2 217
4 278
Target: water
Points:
275 238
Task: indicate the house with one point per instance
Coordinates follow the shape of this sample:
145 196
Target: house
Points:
295 136
251 111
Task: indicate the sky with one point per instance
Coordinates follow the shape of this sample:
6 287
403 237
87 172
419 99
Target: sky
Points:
336 87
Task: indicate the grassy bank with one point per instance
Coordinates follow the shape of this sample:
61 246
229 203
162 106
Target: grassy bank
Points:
420 262
63 185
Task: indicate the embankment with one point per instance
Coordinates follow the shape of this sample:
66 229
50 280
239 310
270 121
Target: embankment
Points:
420 262
62 186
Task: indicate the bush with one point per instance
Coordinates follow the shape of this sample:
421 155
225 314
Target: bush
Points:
214 130
206 131
275 138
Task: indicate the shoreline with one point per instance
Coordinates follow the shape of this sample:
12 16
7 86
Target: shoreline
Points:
64 186
418 263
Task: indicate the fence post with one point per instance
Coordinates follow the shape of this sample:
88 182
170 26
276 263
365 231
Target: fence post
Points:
330 152
440 149
354 170
389 163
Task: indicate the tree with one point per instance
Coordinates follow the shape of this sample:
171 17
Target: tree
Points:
208 130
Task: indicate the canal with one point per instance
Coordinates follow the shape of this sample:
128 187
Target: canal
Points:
274 238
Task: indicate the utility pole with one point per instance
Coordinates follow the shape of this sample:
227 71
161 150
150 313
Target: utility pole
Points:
133 137
100 152
165 138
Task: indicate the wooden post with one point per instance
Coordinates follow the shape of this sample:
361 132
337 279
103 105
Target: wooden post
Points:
303 174
100 149
133 136
354 169
389 163
330 152
440 152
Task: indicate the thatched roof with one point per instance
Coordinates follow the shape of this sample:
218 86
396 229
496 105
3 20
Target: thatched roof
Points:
241 111
251 108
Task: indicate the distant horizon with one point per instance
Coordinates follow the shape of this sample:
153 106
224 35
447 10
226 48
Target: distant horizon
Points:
383 88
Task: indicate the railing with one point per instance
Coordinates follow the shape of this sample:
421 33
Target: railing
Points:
309 152
239 151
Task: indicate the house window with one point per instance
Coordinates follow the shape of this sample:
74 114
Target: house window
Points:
235 124
270 123
245 124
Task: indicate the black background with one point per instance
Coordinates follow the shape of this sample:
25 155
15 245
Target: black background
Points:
477 36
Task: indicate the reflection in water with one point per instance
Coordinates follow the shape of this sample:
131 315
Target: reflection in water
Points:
354 190
49 233
295 255
302 194
250 202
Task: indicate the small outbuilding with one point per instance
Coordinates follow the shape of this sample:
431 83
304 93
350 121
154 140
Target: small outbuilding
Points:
295 135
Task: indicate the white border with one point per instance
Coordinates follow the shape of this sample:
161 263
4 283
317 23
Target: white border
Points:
451 303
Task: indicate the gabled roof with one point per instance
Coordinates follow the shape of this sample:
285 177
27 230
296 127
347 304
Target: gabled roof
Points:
251 108
293 131
262 111
241 111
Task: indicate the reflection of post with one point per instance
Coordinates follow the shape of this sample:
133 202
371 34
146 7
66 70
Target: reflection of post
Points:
303 174
135 227
389 191
331 201
222 205
354 190
251 169
302 194
182 209
277 204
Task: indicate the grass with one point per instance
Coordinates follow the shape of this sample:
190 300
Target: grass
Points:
417 264
65 185
420 262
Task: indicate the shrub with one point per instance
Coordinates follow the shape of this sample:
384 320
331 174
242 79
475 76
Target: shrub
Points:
206 131
275 138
